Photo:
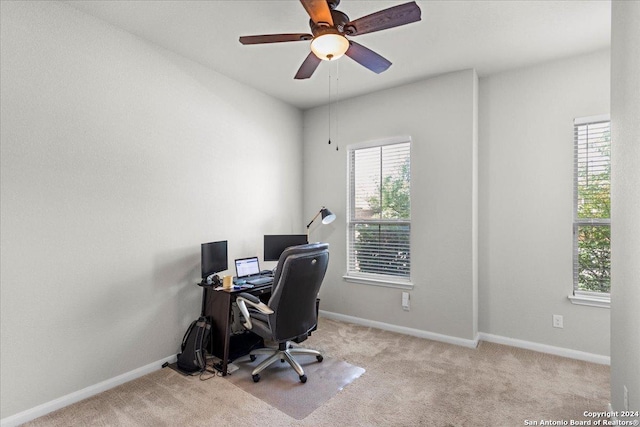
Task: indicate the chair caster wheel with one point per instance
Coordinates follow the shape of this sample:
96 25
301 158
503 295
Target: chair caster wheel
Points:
256 378
319 359
303 378
252 357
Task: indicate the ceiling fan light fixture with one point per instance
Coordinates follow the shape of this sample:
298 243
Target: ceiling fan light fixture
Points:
329 46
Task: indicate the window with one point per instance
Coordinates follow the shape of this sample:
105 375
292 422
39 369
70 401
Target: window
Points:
379 219
592 209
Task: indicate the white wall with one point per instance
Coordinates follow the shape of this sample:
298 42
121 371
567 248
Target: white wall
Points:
625 205
118 160
438 114
526 199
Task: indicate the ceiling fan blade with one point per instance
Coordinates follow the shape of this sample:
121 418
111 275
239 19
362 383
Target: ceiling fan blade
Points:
275 38
367 58
387 18
318 10
308 66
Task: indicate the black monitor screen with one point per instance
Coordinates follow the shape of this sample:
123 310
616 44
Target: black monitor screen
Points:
213 258
275 244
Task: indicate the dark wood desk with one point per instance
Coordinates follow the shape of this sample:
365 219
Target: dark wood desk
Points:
217 306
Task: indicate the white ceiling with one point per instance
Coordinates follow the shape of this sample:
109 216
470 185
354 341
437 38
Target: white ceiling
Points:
490 36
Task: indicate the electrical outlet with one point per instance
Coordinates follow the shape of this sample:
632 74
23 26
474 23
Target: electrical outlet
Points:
406 305
626 398
558 321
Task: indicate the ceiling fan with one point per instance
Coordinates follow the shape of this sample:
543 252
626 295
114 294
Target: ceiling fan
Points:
329 28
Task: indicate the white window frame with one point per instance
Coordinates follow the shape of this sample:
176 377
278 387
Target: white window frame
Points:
580 297
370 278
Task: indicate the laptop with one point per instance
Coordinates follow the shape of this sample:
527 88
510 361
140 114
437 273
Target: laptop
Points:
248 269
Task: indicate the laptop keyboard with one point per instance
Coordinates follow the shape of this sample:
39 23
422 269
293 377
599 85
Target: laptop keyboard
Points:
260 281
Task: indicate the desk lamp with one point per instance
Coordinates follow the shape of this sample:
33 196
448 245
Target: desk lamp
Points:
327 218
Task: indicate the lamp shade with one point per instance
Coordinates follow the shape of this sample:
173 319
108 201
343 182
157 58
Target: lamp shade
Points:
329 46
327 216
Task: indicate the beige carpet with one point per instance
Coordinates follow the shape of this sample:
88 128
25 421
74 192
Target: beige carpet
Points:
280 387
408 382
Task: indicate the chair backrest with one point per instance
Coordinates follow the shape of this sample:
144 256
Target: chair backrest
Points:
296 283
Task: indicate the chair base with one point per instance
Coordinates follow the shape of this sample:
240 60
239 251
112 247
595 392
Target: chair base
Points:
285 351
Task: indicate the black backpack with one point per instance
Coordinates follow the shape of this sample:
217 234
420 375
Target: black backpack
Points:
194 343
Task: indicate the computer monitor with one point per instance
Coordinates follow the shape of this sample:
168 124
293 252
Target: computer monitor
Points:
275 244
213 258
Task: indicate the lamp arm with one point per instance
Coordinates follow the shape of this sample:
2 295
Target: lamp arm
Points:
314 218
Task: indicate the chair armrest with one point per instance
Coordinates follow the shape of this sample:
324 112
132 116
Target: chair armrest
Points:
249 297
243 299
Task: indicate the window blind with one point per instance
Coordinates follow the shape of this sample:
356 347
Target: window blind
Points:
379 230
592 173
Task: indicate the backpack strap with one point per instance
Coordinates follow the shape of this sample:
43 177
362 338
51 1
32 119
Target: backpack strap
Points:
203 330
186 335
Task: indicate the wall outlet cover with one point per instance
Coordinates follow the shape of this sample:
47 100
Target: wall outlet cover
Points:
558 321
405 301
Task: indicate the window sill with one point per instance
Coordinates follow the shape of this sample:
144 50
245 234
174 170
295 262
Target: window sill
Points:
387 283
592 301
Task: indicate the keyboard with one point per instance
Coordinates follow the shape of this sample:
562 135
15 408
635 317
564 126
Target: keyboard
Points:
260 281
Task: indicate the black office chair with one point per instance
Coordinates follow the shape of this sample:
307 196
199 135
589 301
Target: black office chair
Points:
290 314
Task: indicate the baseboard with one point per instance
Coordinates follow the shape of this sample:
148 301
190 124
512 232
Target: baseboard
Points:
401 329
61 402
544 348
528 345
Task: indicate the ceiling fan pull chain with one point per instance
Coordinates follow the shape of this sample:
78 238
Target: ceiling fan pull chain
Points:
337 99
329 130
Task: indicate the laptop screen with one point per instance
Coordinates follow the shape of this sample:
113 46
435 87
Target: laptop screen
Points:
247 267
